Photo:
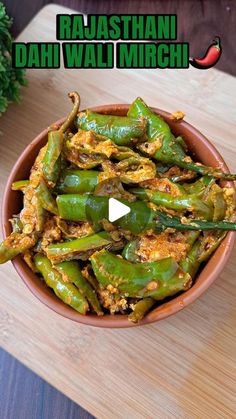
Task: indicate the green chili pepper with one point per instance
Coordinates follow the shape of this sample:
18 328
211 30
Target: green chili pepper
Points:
157 128
83 150
151 279
140 309
199 186
164 185
164 221
204 254
140 218
79 248
123 153
120 129
66 291
89 276
179 203
112 187
183 177
95 208
13 245
51 161
129 251
191 236
70 272
206 170
77 181
216 198
219 206
191 263
75 97
170 151
52 158
135 169
19 185
28 257
46 198
76 207
33 214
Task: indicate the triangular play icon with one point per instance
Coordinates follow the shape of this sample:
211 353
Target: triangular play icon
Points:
116 210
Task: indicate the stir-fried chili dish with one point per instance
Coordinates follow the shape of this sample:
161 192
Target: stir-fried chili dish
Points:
180 211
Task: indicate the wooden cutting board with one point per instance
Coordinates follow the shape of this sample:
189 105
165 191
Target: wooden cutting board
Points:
182 367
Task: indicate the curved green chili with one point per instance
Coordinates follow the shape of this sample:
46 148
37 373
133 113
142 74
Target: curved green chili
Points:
199 186
204 254
191 263
170 150
216 198
75 97
66 291
51 161
129 251
136 169
15 244
52 158
45 197
140 309
151 279
70 272
76 207
121 129
77 181
79 248
157 128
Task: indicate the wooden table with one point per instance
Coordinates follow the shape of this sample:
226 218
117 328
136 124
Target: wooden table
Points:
182 367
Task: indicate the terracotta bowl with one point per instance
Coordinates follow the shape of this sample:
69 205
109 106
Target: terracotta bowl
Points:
199 147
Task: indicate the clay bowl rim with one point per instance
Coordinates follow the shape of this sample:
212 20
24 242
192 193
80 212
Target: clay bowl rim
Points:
206 277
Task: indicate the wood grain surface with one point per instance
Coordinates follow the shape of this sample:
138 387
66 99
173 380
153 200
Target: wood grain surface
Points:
198 20
24 395
182 367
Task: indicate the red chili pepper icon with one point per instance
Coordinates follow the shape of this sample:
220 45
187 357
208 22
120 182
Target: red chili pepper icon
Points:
211 56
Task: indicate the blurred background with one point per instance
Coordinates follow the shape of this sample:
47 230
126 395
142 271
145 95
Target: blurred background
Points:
198 20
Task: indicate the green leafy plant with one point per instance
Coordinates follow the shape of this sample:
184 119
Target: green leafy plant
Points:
10 79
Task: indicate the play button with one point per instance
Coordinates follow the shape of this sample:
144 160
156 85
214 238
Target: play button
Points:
116 210
111 202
